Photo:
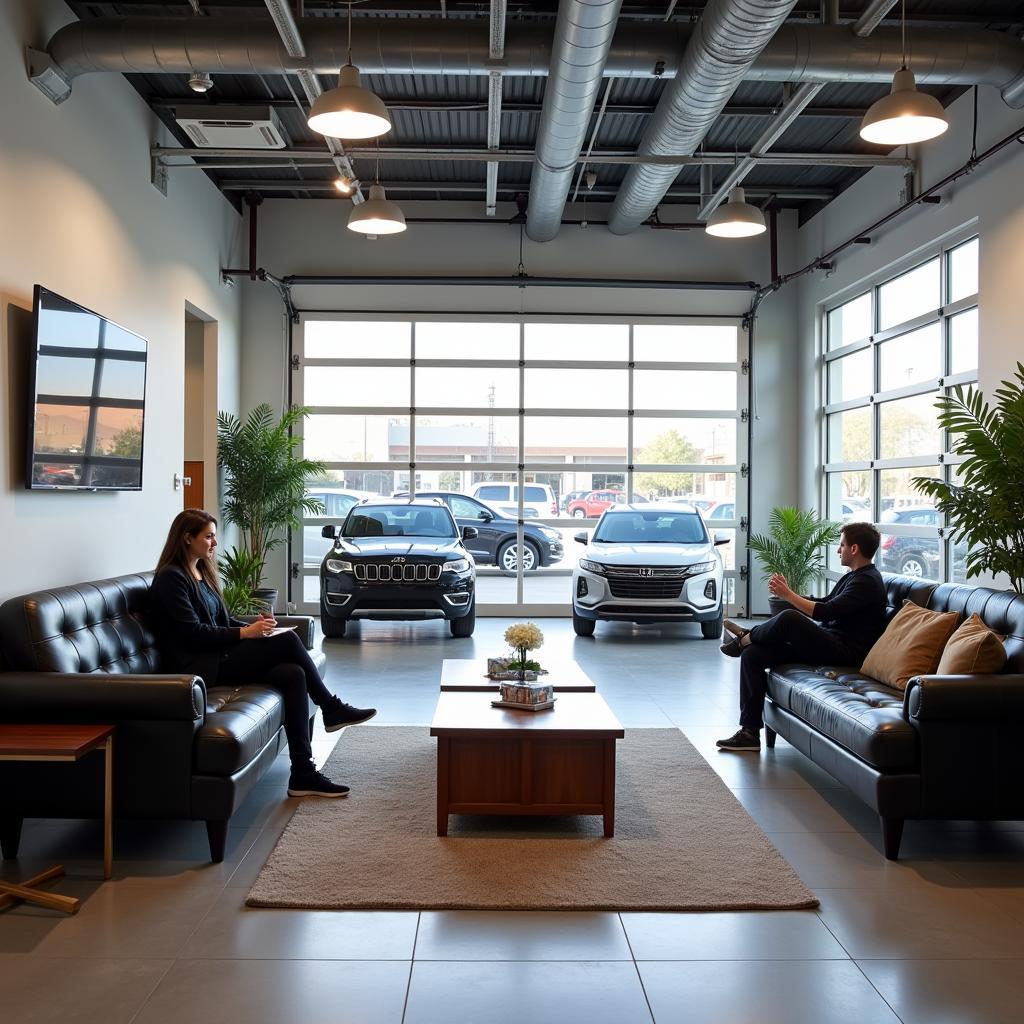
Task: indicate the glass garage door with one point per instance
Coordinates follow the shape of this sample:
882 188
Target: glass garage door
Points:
530 428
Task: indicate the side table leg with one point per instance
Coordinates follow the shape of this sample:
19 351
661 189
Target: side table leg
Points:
609 788
443 752
108 807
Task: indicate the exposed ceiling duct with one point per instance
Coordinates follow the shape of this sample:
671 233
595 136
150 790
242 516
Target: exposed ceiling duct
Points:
393 46
583 36
725 42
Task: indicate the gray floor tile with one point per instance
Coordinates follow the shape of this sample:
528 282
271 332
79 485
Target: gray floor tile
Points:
918 923
780 935
510 993
954 991
808 810
39 990
519 935
766 992
237 932
278 991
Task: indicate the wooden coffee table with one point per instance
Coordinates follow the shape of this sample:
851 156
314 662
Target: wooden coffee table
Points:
506 762
466 675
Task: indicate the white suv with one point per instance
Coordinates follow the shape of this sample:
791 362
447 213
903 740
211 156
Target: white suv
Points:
538 499
649 563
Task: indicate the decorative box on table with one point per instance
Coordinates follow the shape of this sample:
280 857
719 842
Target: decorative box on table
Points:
527 695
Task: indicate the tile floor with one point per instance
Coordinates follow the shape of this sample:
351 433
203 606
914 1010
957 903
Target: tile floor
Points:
936 937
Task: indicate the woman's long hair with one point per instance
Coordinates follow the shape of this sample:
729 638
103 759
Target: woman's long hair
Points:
186 525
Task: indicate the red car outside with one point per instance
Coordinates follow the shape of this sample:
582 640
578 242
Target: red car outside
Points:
592 504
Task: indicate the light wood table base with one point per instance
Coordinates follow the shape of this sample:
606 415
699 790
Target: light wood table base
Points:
11 894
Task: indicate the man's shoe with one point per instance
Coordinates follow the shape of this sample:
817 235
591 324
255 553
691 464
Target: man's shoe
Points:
742 739
735 628
314 783
733 648
337 715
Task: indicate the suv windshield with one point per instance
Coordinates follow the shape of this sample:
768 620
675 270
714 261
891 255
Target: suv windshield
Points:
651 528
399 521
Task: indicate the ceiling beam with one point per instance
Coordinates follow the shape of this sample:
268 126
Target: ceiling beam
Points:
497 54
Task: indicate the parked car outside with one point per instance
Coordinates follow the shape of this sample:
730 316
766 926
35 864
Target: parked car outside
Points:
495 542
338 501
721 510
649 563
538 499
593 503
398 560
911 556
570 497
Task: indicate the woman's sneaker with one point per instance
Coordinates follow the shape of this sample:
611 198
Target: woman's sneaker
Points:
337 714
314 783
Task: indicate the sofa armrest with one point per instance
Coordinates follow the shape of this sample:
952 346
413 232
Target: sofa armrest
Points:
303 626
967 698
91 696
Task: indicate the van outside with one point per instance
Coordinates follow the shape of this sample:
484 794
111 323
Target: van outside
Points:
538 499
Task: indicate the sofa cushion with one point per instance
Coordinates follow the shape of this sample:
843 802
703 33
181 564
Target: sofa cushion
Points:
240 722
853 710
972 649
911 645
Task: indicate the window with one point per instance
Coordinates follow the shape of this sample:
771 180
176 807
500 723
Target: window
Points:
883 369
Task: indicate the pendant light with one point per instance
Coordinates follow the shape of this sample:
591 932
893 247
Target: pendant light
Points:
349 111
905 115
378 215
735 218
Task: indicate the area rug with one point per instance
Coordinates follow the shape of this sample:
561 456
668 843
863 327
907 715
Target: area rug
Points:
682 841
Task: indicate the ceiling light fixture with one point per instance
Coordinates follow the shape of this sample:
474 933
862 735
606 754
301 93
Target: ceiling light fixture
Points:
905 115
200 81
349 111
346 185
735 218
378 215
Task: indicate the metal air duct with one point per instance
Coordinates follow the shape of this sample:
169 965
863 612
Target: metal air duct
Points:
583 37
725 43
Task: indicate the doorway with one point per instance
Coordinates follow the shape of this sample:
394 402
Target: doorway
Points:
200 412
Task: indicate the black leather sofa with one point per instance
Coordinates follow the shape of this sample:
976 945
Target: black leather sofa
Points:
949 747
85 653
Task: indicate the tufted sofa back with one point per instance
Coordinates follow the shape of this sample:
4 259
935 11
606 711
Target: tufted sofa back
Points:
1000 610
899 588
87 627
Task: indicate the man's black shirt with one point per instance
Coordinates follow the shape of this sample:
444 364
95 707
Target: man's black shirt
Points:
855 608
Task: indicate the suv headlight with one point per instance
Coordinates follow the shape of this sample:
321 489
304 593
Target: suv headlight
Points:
590 566
550 534
698 567
458 565
337 565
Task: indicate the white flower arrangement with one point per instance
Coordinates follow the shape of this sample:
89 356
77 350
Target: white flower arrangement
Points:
523 637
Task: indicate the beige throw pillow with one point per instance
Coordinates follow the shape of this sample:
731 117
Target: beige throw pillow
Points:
972 649
911 645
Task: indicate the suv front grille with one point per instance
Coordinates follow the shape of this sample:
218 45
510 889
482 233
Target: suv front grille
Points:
646 572
650 589
385 572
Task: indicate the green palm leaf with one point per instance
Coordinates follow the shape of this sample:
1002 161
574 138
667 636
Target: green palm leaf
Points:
794 545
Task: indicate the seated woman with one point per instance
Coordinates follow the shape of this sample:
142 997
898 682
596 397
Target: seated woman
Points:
198 635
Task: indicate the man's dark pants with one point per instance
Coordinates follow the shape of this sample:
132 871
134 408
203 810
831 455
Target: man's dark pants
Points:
787 637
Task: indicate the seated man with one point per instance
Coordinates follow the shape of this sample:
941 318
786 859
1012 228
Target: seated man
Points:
852 618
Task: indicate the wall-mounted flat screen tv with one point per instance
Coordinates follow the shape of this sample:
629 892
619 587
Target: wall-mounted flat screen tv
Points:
86 401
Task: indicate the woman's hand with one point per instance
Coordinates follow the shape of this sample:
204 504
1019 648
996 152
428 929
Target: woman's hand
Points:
263 626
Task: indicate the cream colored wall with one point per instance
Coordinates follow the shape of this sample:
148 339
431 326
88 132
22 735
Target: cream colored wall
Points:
79 215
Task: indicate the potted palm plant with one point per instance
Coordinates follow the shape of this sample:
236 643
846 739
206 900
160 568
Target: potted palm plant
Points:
986 510
794 546
264 496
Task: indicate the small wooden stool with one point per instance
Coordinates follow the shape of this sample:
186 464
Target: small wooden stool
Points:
59 743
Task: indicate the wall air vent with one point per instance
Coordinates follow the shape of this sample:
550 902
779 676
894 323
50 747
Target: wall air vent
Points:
227 127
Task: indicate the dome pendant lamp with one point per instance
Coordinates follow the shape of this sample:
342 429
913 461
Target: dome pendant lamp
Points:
905 115
735 218
349 111
378 215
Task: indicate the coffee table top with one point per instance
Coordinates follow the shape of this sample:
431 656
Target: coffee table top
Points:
573 713
467 675
60 742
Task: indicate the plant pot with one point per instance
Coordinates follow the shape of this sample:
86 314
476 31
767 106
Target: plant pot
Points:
267 596
777 604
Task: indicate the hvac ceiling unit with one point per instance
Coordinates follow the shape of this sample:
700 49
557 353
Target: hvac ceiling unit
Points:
234 128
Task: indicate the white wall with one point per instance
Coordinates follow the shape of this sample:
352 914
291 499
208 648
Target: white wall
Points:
310 237
990 199
79 215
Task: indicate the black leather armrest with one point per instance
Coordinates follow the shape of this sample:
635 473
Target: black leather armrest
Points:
303 626
970 698
100 697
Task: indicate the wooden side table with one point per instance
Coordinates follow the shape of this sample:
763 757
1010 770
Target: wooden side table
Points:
60 743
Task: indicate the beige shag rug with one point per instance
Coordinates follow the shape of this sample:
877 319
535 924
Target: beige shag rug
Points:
682 841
